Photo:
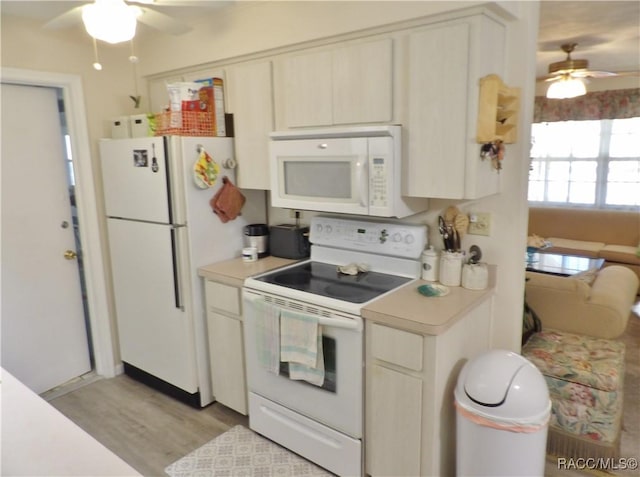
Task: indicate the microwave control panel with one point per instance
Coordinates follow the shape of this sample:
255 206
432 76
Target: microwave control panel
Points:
378 193
399 240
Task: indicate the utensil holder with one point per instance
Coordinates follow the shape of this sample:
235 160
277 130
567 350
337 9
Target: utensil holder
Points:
451 268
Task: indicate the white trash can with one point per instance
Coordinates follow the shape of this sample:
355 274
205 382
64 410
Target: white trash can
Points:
502 416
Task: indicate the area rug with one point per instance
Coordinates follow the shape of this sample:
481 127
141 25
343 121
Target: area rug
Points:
240 452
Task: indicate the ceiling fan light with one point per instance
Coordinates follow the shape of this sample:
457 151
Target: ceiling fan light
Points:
112 21
566 88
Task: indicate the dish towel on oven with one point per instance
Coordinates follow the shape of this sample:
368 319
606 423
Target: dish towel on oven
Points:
268 335
301 346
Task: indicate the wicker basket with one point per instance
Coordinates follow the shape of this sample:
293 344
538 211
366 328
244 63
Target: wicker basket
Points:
185 123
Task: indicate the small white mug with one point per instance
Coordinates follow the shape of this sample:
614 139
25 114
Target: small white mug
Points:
249 254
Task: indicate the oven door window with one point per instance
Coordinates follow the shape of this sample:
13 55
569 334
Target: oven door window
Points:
330 371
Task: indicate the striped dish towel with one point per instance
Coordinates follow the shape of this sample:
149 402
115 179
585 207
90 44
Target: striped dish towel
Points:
301 346
267 335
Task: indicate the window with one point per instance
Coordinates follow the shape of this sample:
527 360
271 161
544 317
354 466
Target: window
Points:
67 151
587 163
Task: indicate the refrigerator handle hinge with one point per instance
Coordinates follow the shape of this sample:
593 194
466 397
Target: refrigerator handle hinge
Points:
177 285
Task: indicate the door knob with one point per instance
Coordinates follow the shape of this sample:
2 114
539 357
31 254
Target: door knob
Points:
70 255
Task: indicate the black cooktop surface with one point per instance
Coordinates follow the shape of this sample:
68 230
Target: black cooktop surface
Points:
325 279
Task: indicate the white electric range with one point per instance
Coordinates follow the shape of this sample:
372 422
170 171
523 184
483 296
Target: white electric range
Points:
323 422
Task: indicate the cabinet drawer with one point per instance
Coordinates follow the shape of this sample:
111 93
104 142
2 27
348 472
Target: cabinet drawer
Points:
222 297
397 347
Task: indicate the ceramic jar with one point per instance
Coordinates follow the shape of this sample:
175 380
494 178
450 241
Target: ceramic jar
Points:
430 265
451 268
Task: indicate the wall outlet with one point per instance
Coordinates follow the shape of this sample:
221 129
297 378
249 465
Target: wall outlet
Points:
479 223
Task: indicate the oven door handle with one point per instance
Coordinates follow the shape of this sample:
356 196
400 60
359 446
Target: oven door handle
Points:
346 323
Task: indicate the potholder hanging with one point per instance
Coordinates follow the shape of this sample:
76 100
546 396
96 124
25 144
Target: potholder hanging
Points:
205 171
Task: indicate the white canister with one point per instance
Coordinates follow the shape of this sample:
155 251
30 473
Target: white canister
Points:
451 268
430 265
475 276
249 254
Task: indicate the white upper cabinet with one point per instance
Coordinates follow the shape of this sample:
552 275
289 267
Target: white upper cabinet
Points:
308 88
345 85
445 64
363 87
250 99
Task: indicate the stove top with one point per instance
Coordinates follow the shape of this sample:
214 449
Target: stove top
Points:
324 279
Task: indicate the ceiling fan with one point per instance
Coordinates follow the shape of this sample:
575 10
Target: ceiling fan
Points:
568 77
140 10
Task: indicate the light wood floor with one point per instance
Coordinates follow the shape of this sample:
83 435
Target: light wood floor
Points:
150 430
145 428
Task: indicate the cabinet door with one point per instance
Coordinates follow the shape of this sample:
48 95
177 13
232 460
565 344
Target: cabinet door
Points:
250 93
362 83
393 433
438 71
226 351
308 85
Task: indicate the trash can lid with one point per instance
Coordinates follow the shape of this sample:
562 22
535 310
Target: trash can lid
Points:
503 384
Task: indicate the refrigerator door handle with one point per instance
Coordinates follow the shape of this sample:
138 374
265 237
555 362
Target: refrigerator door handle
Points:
177 285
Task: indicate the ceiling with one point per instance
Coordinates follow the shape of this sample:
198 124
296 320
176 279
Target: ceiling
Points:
607 32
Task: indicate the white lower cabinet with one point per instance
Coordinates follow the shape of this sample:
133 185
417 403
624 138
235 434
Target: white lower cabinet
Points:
226 345
409 401
395 429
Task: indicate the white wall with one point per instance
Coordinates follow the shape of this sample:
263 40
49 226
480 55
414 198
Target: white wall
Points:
249 27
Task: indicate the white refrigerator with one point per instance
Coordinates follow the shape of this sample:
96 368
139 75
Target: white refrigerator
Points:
161 229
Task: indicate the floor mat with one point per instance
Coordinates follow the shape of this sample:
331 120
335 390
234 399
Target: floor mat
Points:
240 452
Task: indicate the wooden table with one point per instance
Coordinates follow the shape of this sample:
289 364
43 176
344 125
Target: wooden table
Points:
560 264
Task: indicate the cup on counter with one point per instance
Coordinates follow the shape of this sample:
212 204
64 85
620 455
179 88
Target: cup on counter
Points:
249 254
451 268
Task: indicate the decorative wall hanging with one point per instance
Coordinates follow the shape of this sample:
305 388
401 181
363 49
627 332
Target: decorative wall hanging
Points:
498 109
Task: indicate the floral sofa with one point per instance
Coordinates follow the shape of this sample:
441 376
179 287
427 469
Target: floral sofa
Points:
580 359
585 379
610 234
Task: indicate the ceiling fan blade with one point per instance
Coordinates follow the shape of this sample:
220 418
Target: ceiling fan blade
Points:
162 22
548 78
628 73
66 20
169 3
592 74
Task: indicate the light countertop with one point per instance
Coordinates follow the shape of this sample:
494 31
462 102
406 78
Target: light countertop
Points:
408 310
234 272
37 439
404 308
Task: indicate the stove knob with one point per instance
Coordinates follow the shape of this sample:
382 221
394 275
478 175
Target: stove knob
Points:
319 228
409 239
397 237
328 229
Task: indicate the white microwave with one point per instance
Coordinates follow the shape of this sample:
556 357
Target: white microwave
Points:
355 170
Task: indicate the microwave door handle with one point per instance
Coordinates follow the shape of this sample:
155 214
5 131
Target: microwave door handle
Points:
362 168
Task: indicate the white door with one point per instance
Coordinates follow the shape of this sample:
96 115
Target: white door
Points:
44 337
